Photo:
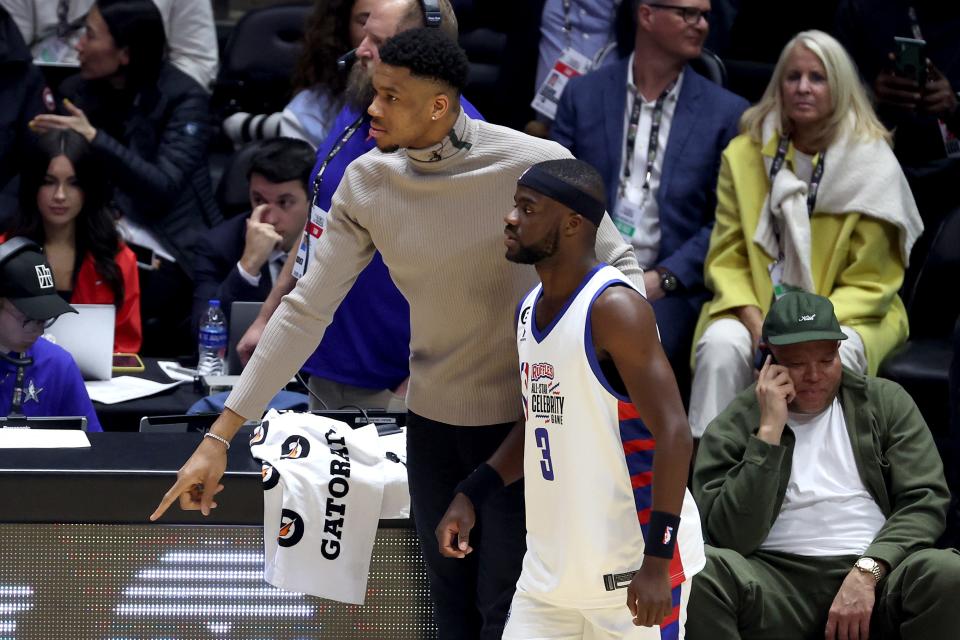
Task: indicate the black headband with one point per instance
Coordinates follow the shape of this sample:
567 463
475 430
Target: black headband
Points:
566 194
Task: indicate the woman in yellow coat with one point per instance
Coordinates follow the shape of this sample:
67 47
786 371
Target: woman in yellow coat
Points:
811 197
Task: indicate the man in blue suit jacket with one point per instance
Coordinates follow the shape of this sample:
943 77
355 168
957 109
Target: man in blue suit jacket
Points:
239 259
697 120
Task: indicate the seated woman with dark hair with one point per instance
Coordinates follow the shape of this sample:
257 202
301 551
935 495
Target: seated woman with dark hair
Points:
63 209
148 124
334 28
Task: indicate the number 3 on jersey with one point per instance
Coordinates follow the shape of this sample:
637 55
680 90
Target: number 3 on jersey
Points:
542 438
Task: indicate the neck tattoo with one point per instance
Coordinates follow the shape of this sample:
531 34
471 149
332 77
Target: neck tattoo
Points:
451 144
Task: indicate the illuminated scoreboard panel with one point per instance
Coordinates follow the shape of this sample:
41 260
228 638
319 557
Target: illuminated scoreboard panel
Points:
136 582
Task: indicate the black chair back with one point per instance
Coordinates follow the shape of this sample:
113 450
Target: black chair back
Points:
931 304
259 59
711 67
233 195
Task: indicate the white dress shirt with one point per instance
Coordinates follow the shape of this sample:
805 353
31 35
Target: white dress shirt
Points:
645 235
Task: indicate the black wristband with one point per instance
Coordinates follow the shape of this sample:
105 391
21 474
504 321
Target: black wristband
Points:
480 485
661 534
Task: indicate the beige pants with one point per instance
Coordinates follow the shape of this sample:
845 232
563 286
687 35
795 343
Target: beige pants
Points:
725 366
344 396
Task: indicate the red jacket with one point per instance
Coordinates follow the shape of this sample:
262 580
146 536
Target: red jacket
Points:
90 288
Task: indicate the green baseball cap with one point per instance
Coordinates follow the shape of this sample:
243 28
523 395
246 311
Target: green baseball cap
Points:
801 317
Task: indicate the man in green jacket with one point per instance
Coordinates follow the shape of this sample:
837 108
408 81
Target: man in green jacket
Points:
821 494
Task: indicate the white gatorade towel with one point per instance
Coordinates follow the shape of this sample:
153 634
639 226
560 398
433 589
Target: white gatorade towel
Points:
323 488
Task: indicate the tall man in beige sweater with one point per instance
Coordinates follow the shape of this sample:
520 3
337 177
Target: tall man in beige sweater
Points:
431 199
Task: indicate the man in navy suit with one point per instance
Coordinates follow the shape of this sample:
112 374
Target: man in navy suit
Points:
240 258
671 125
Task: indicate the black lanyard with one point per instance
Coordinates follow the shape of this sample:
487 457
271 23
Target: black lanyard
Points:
654 144
318 179
814 180
17 403
63 25
344 139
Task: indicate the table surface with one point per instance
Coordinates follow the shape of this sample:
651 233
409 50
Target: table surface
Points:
120 478
125 416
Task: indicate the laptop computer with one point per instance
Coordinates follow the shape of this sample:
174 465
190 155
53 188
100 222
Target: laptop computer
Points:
88 336
242 315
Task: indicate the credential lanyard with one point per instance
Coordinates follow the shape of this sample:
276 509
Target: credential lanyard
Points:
17 403
344 139
653 145
318 179
567 23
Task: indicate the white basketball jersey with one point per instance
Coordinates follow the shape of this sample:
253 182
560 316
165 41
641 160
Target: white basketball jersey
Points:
588 464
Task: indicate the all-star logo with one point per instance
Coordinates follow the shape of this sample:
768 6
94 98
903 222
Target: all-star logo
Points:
260 433
269 476
291 528
32 392
44 276
295 447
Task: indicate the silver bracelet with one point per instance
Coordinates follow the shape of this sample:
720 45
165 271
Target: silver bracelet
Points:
217 438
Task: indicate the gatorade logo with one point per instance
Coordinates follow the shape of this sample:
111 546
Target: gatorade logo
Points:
295 448
291 528
260 433
269 476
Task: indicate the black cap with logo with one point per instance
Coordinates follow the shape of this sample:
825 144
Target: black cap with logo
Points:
801 317
26 280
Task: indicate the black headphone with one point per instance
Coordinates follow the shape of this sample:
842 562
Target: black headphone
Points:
432 18
13 246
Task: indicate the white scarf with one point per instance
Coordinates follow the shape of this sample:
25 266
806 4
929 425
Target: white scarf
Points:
860 176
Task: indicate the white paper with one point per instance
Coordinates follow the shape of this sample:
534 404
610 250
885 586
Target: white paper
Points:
175 372
43 439
123 388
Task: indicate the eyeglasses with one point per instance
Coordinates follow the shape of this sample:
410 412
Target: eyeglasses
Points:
690 15
28 322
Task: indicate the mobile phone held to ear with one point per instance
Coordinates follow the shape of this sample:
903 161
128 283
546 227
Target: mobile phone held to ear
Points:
910 60
127 363
761 356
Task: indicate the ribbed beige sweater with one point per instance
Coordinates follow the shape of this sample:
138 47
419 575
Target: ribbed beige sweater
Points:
439 226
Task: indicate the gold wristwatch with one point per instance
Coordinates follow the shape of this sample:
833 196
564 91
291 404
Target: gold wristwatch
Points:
869 565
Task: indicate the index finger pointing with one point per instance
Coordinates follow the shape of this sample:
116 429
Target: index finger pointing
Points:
172 494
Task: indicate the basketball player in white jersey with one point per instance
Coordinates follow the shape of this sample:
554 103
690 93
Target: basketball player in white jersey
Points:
603 443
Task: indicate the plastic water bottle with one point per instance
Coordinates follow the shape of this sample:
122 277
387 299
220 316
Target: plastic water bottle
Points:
213 342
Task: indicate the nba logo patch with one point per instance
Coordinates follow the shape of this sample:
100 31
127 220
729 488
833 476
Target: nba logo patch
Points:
668 535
